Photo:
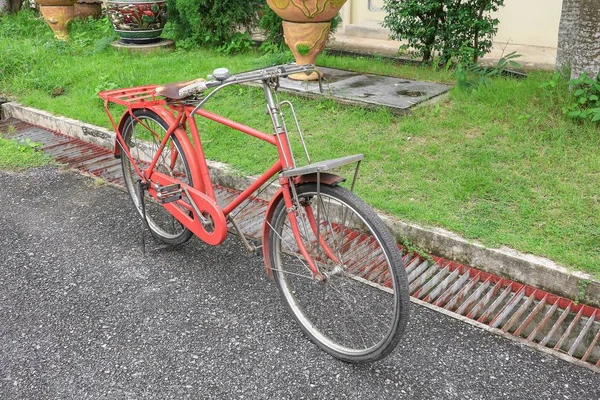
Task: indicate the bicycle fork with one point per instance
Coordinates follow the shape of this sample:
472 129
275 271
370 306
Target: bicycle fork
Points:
293 206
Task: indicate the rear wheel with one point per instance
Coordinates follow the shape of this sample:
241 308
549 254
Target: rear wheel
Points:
142 134
359 312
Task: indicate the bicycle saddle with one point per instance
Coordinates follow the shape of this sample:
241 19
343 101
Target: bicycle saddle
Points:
174 90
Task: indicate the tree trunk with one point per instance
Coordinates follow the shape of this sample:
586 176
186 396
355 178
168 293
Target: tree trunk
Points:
12 6
579 37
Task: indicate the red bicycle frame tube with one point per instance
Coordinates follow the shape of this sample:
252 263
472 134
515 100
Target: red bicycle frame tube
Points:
202 171
284 151
162 145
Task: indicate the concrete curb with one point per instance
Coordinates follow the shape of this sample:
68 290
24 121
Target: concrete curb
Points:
525 268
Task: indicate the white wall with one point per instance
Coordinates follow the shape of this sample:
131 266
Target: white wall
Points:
532 22
529 22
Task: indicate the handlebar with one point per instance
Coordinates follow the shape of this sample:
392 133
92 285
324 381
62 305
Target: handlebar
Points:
279 71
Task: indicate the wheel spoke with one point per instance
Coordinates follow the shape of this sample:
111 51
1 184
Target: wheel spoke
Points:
143 134
291 251
347 314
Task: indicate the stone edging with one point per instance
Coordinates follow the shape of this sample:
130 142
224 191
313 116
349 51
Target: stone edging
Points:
526 268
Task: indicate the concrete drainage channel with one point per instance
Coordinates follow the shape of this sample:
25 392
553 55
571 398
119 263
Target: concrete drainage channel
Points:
545 321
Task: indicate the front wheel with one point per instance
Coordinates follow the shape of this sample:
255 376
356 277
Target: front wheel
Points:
359 311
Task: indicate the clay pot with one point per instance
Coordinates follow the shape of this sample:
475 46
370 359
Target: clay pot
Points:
57 18
306 26
306 41
306 10
138 21
88 8
57 14
56 2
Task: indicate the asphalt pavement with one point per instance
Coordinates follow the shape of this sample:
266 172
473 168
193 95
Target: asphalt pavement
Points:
85 315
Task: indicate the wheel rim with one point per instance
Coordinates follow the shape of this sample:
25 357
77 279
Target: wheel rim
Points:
143 145
354 312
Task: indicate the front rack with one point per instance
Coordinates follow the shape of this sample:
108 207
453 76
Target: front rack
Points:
322 166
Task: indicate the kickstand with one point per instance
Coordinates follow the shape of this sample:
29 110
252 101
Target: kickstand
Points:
141 188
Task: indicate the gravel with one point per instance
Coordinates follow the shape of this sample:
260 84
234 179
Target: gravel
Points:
85 315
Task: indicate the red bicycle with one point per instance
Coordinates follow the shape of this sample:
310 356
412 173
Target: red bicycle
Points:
335 264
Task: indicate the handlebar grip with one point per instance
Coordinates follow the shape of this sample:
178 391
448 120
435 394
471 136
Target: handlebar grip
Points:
196 87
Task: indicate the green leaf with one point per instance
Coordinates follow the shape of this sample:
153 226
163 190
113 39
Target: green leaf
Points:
578 92
588 81
514 64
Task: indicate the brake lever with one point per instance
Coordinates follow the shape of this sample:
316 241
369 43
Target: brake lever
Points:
273 82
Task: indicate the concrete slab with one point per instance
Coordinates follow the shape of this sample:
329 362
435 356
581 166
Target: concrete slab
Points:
397 94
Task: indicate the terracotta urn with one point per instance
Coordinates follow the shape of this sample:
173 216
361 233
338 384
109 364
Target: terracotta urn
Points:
57 14
137 21
306 26
88 8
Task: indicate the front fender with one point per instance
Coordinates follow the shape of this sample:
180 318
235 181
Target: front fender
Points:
326 179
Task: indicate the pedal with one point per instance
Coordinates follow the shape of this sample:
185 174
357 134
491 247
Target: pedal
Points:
169 193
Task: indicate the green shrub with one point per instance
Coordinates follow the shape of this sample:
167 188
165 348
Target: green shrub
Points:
223 24
270 25
585 104
448 27
469 75
579 98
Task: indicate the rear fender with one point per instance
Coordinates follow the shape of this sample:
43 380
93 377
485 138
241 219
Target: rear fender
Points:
326 179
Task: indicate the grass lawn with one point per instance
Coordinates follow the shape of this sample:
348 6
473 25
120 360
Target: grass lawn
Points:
501 165
17 156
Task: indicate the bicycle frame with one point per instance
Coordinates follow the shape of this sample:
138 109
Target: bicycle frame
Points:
329 250
202 200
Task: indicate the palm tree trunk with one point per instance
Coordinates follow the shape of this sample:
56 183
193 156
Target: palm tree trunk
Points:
579 37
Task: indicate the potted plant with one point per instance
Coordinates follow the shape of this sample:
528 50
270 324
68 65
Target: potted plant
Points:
137 21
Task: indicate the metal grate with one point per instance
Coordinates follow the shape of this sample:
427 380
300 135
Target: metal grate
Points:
542 320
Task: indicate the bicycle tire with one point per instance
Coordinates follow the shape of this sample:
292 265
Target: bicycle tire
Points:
143 145
371 290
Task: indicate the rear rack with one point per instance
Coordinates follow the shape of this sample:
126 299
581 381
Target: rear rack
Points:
135 96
